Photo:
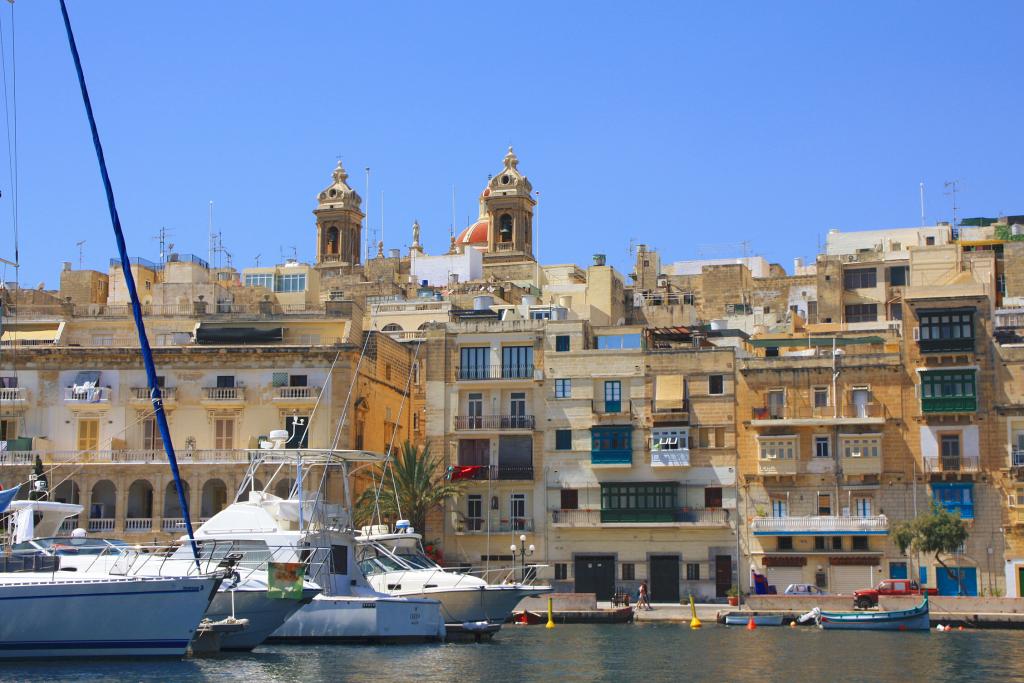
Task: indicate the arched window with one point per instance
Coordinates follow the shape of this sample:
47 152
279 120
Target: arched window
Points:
215 498
140 504
104 500
172 506
391 327
505 228
331 246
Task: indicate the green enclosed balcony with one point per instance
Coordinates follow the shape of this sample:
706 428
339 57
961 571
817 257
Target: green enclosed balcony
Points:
945 330
949 391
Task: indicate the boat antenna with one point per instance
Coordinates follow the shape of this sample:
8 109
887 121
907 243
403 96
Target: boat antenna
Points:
147 354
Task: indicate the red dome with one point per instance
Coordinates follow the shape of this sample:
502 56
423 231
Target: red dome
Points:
474 234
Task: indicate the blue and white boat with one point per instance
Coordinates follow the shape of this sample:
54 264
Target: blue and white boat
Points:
913 619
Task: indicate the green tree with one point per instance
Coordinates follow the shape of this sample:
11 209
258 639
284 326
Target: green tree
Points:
938 532
414 483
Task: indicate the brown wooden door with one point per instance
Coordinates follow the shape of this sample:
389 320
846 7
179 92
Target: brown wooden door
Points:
723 575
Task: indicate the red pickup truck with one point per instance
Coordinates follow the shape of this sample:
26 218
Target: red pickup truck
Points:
869 597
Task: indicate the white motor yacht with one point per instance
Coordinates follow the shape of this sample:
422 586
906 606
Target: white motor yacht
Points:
301 528
395 563
242 595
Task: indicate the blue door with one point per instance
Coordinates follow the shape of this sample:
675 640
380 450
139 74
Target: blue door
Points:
897 570
957 581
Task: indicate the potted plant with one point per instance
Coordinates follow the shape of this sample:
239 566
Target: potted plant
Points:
734 596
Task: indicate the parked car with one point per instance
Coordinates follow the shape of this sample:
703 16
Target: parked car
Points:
804 589
868 597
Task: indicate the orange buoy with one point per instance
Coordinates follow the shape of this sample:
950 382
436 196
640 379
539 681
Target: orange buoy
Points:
751 625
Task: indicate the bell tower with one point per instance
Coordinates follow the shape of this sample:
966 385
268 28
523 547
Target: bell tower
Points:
508 203
338 222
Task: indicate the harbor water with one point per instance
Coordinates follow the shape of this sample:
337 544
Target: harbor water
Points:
649 652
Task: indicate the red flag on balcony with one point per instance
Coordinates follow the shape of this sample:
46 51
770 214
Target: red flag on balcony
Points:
458 472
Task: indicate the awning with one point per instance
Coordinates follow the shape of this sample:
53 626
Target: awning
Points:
206 334
668 391
31 334
783 561
854 560
815 341
84 376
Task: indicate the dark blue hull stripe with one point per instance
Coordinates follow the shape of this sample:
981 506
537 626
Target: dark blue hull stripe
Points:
189 589
94 644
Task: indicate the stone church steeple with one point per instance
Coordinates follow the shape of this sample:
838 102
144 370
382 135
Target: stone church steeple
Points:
508 203
338 222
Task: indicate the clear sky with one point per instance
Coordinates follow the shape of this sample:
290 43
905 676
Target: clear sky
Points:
675 124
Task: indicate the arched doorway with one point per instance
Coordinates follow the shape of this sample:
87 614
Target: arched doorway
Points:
215 498
139 509
103 506
173 518
283 488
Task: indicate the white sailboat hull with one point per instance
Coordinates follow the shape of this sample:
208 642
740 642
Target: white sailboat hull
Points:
364 619
265 614
471 604
100 617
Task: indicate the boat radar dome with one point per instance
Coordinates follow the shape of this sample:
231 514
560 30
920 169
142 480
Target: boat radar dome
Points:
402 527
78 533
278 438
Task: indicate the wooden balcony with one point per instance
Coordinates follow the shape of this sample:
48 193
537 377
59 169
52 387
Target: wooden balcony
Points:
778 467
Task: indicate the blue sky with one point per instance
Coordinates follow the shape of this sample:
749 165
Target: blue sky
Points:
675 124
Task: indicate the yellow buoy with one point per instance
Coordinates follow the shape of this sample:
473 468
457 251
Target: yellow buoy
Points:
694 622
551 615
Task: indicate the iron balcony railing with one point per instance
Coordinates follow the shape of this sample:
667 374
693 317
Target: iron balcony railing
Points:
952 463
500 473
482 372
824 524
493 422
479 525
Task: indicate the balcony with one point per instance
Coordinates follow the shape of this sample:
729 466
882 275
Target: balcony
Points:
13 395
778 467
501 473
820 525
142 457
138 525
494 372
168 394
950 404
861 465
224 395
295 394
683 517
479 525
77 396
952 464
493 423
17 458
172 525
670 457
615 458
799 414
958 345
101 525
67 526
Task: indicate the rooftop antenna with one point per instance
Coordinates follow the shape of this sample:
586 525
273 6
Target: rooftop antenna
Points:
952 187
257 259
922 204
80 253
366 220
162 238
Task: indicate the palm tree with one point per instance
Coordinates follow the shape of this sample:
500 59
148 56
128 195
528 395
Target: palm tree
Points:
414 483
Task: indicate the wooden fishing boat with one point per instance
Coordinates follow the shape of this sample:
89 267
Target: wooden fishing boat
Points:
913 619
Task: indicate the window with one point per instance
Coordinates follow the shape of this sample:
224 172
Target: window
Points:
561 571
898 276
861 313
618 341
225 381
956 498
542 314
821 447
517 409
563 388
777 449
295 282
611 445
784 543
474 512
415 422
224 433
837 542
862 507
820 397
692 571
947 391
474 452
861 447
860 278
517 510
949 330
668 438
260 280
719 441
517 362
570 499
776 404
647 502
562 342
929 241
563 439
628 571
88 434
819 543
859 543
8 430
716 385
896 311
151 438
473 362
612 396
713 497
825 504
780 507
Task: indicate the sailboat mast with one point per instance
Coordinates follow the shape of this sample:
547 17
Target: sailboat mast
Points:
147 354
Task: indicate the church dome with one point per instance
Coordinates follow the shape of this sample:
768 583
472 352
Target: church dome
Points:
474 234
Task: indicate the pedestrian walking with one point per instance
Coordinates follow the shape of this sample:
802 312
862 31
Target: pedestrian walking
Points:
644 600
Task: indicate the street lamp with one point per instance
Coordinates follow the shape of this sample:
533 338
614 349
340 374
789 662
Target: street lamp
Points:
523 550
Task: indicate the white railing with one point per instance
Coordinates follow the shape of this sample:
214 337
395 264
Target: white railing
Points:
679 457
13 394
17 457
137 525
143 393
87 395
819 523
410 307
132 457
222 393
101 524
172 524
68 525
407 335
293 393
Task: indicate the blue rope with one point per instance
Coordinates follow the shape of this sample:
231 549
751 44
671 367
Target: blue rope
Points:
147 354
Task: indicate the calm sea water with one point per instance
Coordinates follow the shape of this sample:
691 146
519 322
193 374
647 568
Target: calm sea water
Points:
649 652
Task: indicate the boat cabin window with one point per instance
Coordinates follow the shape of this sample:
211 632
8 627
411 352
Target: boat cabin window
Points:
415 558
339 559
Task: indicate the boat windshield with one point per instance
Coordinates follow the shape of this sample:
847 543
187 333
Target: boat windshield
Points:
414 558
255 553
69 546
379 564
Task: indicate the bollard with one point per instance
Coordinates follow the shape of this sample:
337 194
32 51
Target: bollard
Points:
551 615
